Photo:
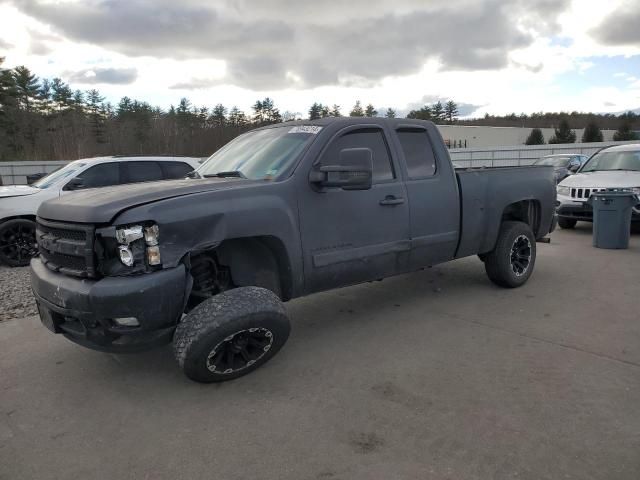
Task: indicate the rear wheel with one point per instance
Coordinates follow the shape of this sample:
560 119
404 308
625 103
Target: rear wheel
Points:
567 223
18 242
511 262
231 334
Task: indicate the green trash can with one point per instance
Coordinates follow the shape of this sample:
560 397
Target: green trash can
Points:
612 217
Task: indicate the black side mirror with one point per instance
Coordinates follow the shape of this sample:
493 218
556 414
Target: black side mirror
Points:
74 184
353 172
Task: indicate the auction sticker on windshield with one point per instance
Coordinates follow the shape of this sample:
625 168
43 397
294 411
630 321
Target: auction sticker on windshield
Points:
313 129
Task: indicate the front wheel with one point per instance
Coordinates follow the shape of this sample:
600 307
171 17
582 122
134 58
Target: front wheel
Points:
231 334
511 262
17 242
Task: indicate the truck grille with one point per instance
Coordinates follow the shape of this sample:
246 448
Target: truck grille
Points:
66 247
584 193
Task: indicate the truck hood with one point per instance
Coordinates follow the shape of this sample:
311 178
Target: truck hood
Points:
17 191
101 205
617 179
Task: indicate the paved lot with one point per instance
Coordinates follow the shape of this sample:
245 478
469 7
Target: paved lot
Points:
437 375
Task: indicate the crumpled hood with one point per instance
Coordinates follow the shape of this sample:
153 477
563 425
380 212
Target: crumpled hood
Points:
17 190
617 179
101 205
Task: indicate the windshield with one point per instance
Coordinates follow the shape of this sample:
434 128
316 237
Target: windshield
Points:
64 172
554 161
603 161
261 154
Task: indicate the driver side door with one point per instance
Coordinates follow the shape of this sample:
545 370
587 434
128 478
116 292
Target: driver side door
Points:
352 236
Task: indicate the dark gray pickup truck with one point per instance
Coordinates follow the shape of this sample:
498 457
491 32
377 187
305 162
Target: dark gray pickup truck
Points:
280 212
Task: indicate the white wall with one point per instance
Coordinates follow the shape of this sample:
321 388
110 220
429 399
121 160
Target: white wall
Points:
480 137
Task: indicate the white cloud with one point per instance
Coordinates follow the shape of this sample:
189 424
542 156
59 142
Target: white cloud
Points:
523 80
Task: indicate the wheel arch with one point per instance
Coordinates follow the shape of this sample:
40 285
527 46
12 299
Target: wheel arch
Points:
260 261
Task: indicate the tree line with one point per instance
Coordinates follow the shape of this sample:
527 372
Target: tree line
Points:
42 119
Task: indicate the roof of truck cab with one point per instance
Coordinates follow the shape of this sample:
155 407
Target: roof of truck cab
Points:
346 121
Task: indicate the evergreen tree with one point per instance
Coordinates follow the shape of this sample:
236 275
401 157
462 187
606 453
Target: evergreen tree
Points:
95 107
219 115
437 112
315 112
451 111
563 134
27 87
391 113
357 111
335 111
592 133
624 133
422 114
370 111
535 137
324 111
61 94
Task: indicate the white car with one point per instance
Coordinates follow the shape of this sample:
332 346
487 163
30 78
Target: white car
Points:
615 168
19 203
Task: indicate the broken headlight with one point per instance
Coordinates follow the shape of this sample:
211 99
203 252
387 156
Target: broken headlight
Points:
130 236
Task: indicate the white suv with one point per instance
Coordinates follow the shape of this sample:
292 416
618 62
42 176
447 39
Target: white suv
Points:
19 203
611 168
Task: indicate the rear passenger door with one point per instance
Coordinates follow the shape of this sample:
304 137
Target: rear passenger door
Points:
142 171
351 236
433 198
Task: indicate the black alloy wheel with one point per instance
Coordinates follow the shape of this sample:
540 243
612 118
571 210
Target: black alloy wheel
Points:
18 242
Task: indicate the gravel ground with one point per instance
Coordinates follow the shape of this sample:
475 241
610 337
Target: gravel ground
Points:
16 299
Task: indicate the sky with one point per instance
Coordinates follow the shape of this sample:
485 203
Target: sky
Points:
490 56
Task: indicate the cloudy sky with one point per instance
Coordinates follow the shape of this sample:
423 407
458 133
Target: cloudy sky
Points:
495 56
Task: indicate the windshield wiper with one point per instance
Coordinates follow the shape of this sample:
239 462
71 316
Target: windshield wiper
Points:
229 174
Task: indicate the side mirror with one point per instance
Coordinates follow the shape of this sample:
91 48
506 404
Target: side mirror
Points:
353 172
74 184
574 165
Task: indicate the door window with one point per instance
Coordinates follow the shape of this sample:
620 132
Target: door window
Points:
174 170
365 138
143 172
418 154
102 175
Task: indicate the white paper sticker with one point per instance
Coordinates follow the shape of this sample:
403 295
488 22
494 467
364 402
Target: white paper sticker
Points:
312 129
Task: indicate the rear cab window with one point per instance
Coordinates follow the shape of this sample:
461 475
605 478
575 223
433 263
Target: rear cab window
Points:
418 153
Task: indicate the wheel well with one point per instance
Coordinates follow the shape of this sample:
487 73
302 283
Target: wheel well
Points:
254 261
527 211
15 217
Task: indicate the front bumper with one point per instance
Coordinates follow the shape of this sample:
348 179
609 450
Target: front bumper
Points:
83 310
583 212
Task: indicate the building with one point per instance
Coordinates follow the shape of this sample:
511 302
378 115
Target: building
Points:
462 136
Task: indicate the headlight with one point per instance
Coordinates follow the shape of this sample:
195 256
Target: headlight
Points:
566 191
127 236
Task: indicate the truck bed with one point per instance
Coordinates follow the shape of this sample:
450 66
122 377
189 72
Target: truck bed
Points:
483 191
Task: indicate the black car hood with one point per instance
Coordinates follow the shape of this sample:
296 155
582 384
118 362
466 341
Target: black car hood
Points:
101 205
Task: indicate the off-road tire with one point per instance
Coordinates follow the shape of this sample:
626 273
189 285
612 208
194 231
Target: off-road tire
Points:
17 256
567 223
214 324
499 264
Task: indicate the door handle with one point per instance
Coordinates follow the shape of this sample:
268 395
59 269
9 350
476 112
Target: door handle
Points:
391 200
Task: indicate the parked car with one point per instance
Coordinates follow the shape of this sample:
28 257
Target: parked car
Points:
280 212
563 164
615 168
19 203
